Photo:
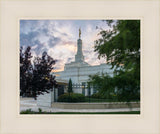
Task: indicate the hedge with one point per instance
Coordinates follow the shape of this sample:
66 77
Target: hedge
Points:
71 97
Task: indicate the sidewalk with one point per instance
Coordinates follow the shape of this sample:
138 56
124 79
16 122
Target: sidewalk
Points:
29 103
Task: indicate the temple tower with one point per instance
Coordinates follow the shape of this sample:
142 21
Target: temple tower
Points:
79 56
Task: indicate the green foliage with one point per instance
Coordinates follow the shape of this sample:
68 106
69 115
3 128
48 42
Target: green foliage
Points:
128 86
39 110
28 111
44 112
104 84
70 86
71 97
120 46
96 95
100 95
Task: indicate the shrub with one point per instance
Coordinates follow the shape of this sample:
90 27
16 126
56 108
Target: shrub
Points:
103 95
96 95
39 110
28 111
100 95
71 97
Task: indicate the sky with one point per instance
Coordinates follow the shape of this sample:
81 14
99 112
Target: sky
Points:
59 39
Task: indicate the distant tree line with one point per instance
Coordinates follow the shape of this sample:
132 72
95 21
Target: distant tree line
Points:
35 76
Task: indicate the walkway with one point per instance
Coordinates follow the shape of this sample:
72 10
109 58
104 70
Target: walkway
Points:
29 103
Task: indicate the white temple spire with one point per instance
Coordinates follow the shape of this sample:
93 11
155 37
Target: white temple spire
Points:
79 56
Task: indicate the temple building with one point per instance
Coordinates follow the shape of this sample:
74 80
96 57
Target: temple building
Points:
79 70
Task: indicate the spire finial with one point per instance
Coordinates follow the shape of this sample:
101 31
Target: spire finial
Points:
79 33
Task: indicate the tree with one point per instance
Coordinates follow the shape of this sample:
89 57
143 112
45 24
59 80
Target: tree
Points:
36 79
103 83
70 86
121 47
25 71
128 87
43 81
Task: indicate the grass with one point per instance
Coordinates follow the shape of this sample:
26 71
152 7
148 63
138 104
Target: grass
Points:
29 111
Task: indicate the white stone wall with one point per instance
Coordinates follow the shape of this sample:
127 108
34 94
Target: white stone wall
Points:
81 73
79 90
46 99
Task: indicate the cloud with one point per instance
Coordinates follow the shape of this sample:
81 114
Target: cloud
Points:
40 37
59 39
28 39
53 41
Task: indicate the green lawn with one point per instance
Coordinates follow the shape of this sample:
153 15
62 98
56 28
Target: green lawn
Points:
32 112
